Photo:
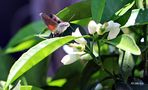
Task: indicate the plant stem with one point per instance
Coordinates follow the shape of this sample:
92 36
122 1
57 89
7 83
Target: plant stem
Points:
121 68
98 44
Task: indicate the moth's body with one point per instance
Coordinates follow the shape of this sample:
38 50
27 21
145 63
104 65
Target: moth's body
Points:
54 24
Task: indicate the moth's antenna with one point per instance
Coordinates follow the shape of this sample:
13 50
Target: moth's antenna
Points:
72 28
71 17
69 21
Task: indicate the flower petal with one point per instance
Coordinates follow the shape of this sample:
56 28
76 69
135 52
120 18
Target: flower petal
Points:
74 49
113 33
86 57
92 26
68 49
70 58
78 34
100 30
114 29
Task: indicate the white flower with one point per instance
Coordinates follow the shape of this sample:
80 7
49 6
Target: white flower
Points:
100 30
111 27
92 26
78 34
70 58
74 52
114 29
74 48
99 87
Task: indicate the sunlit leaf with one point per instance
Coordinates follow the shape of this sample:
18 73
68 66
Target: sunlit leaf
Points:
30 88
22 46
26 33
127 43
123 10
35 55
2 84
138 17
58 83
82 22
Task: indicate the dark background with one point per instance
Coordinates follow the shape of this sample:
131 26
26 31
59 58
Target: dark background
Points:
8 8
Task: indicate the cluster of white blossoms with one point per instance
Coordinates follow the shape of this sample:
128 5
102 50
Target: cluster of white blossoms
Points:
111 27
75 51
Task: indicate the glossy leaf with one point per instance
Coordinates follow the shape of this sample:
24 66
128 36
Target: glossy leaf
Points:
26 33
138 17
97 8
35 55
22 46
76 11
82 22
127 43
84 11
58 83
2 83
111 7
123 10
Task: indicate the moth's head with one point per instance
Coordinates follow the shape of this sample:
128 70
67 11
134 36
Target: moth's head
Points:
63 25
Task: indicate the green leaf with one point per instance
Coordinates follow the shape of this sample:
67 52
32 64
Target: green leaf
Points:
18 86
33 77
35 55
6 62
2 83
58 83
22 46
26 33
138 17
90 68
127 43
97 8
72 75
76 11
28 87
82 22
111 7
123 10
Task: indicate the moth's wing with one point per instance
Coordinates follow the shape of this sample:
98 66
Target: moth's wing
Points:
56 19
51 24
